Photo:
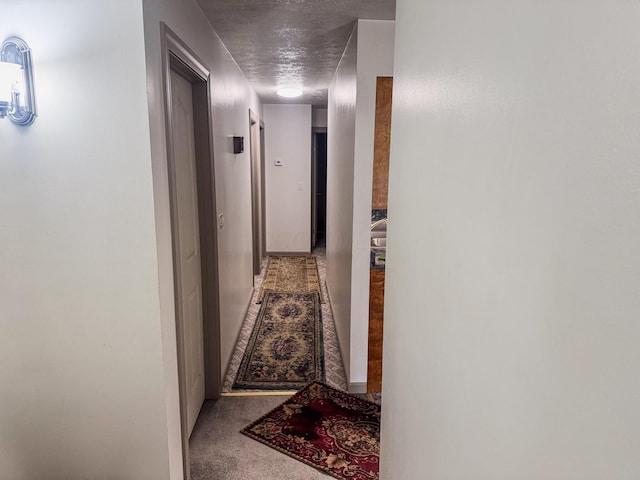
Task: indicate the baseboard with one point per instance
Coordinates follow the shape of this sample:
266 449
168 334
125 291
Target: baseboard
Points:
358 387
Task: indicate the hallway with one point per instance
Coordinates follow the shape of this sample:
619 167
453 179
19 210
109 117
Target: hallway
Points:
335 375
217 449
512 266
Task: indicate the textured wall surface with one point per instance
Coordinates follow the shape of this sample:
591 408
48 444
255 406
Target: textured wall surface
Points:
281 42
513 270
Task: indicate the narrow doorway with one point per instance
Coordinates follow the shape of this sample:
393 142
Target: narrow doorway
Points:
263 188
319 220
191 183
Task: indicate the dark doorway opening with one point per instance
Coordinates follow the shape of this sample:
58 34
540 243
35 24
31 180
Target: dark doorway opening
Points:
320 140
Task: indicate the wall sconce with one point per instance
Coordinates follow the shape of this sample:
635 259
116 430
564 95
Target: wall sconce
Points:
17 99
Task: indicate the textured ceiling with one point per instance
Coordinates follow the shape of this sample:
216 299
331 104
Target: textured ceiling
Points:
290 42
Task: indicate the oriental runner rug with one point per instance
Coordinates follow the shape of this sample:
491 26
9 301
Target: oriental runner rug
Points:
326 428
285 350
291 274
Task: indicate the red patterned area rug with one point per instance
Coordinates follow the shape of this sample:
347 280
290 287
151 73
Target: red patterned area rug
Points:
285 350
326 428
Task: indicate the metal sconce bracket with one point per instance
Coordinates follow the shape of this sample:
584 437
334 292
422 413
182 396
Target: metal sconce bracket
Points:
23 109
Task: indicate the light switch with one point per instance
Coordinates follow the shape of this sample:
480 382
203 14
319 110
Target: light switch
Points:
221 221
278 162
299 186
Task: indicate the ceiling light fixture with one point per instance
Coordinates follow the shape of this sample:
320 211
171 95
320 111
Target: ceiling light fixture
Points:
290 92
17 99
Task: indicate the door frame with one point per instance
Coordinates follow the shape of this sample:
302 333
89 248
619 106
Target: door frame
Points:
314 173
178 57
379 201
257 193
263 187
314 196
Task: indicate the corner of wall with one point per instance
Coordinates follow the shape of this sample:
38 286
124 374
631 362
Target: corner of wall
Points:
375 50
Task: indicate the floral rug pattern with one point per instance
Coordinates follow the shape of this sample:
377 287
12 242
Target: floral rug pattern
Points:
334 371
326 428
285 349
291 274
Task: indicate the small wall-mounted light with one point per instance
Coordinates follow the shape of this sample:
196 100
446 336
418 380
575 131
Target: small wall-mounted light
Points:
17 98
238 144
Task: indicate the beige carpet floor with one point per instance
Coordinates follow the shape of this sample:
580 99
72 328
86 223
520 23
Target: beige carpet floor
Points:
218 451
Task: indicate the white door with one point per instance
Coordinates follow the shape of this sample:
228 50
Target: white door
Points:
188 245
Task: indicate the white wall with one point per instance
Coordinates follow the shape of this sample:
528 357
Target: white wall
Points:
350 160
319 118
288 187
513 270
375 59
232 98
340 151
81 381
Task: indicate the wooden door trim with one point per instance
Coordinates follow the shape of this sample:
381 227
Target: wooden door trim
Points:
257 219
178 57
382 142
379 200
314 200
263 188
